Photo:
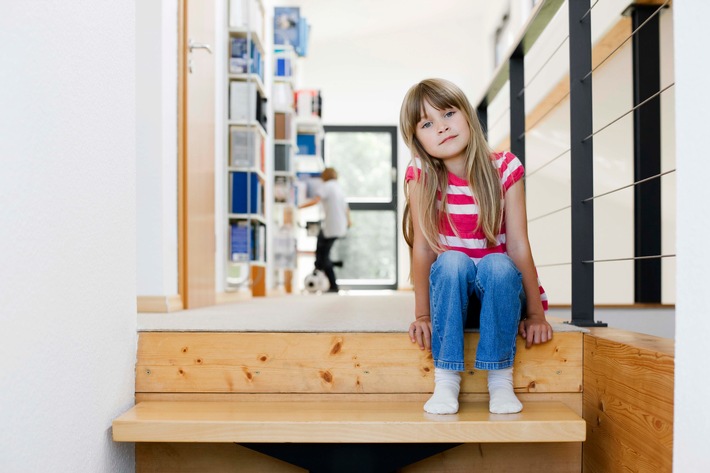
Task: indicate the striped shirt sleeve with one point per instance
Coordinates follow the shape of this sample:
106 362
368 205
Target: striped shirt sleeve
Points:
510 168
412 174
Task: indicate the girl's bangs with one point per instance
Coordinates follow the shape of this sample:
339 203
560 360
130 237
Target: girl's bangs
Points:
439 98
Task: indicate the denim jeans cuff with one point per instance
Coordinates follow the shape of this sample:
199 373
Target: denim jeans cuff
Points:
449 365
493 365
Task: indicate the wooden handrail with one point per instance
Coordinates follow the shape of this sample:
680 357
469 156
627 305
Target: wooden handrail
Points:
538 20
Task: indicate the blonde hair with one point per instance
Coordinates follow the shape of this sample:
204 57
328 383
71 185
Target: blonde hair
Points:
328 174
481 173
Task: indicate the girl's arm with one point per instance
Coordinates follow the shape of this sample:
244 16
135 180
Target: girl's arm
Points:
534 328
422 259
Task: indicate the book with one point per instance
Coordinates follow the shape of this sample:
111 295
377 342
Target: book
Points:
304 31
239 55
283 127
243 100
246 147
284 247
282 158
308 103
281 189
260 243
245 57
262 111
286 20
306 143
247 193
282 95
239 242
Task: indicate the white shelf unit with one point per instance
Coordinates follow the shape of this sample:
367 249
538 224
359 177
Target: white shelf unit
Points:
247 145
285 147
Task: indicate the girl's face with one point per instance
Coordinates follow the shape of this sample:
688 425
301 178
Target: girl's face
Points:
444 134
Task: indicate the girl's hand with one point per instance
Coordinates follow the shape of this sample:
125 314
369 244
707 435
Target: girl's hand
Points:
535 330
420 332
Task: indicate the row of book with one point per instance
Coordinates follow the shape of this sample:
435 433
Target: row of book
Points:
245 57
308 144
247 242
283 158
295 192
284 242
284 126
246 103
284 65
309 103
247 148
283 96
247 193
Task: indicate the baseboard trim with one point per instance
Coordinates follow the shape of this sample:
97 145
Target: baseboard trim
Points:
161 304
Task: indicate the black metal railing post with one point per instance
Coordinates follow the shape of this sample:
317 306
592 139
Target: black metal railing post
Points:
647 153
581 157
517 105
482 111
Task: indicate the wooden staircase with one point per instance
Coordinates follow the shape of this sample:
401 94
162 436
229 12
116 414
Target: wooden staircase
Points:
343 402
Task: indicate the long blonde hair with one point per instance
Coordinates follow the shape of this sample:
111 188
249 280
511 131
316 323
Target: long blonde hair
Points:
481 173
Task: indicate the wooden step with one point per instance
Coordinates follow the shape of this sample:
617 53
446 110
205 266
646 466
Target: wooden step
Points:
207 399
343 422
358 363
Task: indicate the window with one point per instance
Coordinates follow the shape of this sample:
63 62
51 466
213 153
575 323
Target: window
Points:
365 158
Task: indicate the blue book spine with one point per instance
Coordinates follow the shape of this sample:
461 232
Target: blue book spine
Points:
306 144
286 21
246 193
239 242
303 30
239 53
283 67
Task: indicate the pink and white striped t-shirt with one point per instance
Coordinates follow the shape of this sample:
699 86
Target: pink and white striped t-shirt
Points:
464 213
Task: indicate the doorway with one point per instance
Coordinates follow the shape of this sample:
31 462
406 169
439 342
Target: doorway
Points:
365 158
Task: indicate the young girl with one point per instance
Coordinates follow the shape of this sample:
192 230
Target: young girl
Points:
466 225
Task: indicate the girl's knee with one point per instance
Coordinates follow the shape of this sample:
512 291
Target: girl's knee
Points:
454 261
499 267
451 264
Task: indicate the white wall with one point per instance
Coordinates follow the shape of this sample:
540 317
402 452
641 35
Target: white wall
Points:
156 146
692 420
67 233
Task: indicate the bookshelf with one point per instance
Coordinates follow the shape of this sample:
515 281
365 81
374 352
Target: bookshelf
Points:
285 147
291 32
309 165
247 144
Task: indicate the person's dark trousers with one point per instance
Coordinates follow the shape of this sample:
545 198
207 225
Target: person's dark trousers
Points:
323 261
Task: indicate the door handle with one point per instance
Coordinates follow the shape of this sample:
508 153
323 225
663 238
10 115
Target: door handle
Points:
193 45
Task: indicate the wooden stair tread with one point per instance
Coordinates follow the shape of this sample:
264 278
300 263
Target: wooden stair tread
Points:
343 422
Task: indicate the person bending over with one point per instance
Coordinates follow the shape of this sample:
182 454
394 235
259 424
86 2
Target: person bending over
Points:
335 223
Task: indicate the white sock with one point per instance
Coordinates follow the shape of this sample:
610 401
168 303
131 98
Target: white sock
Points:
445 399
500 387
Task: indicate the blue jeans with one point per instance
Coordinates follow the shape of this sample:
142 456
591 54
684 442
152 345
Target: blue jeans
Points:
497 283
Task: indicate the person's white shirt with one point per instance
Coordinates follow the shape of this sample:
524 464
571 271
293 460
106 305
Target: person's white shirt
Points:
335 209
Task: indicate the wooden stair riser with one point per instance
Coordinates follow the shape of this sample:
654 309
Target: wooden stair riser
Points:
197 362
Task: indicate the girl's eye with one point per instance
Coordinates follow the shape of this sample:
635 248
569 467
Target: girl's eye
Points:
426 125
449 114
